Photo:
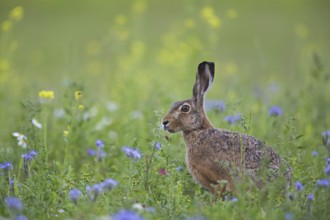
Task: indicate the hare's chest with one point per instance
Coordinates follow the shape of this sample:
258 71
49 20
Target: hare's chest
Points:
192 162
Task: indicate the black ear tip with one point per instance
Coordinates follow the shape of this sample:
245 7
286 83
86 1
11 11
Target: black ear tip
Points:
202 65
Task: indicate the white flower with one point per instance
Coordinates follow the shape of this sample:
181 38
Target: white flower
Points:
21 138
105 121
136 115
112 106
138 206
36 123
59 113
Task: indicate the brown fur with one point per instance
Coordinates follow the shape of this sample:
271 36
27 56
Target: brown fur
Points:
214 156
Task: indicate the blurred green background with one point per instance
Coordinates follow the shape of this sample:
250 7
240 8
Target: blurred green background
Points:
139 52
130 60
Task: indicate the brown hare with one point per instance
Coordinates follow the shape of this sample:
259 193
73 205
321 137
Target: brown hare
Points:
216 158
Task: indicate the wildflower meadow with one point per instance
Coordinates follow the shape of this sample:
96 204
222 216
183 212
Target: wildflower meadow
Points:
84 86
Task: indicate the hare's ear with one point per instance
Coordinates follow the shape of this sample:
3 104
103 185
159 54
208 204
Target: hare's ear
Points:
204 80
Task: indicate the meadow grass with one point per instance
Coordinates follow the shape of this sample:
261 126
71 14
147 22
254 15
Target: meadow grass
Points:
84 86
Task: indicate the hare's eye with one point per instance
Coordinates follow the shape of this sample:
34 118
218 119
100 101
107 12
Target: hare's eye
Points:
185 108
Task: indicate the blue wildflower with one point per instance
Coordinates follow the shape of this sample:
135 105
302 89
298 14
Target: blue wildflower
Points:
100 154
327 170
299 186
91 152
94 191
30 156
275 111
232 119
6 166
328 160
99 144
322 183
179 168
310 197
14 204
197 217
158 146
326 133
74 195
27 158
109 184
126 215
132 153
12 183
20 217
315 153
288 216
231 198
217 105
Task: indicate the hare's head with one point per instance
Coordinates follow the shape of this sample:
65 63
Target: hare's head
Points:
189 115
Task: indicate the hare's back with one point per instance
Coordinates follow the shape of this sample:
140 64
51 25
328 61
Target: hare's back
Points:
234 146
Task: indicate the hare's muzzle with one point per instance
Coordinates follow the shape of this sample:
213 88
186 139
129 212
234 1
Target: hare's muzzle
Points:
165 124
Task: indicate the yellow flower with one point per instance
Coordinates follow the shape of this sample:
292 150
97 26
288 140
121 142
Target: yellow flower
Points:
17 13
231 13
77 95
66 133
81 107
139 6
6 26
208 15
46 94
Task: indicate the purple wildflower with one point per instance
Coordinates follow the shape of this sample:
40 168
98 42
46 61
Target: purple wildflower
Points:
100 154
99 144
315 153
326 133
232 119
74 195
275 111
30 156
216 105
197 217
27 159
231 198
14 204
158 146
299 186
91 152
6 166
323 183
327 170
126 215
288 216
328 160
179 168
109 184
162 172
12 183
326 137
310 197
132 153
20 217
94 191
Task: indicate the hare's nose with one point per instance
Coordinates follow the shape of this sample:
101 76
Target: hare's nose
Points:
165 123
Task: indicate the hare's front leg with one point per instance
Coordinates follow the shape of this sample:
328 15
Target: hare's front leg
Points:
211 178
